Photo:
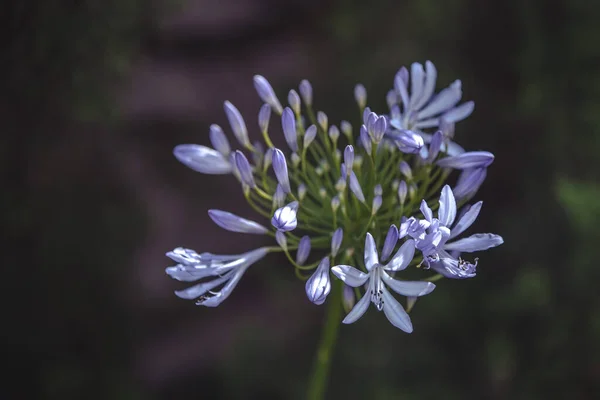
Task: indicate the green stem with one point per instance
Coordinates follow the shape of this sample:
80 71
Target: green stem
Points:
322 363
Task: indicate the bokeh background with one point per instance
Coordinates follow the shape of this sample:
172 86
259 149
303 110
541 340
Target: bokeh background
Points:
94 96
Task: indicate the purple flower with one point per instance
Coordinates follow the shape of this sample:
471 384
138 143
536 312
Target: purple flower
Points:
223 271
234 223
266 93
377 277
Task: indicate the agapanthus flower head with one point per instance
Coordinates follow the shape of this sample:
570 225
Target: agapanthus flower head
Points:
372 202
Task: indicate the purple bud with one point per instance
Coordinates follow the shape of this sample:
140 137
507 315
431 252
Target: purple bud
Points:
281 170
219 140
435 146
402 192
203 159
322 120
360 95
264 116
405 169
348 159
279 197
355 187
244 168
377 201
469 182
390 242
303 250
334 133
288 123
233 223
391 99
285 218
336 241
378 190
365 140
266 93
294 101
238 126
335 202
301 191
310 135
346 129
471 159
407 141
281 240
306 92
366 113
318 285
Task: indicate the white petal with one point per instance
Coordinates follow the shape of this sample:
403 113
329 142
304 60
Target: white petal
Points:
467 220
358 311
427 213
202 159
447 210
476 242
403 257
395 312
408 288
371 257
350 275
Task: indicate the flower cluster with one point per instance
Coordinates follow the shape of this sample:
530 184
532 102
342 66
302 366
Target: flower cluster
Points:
335 188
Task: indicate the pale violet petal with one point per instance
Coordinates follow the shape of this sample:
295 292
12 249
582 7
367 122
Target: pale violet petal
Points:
395 313
201 288
234 223
429 87
417 77
202 159
476 242
427 213
443 102
318 285
371 257
403 257
350 275
358 310
408 288
447 210
467 220
459 113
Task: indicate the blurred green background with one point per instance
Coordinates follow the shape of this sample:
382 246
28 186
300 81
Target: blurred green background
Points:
96 94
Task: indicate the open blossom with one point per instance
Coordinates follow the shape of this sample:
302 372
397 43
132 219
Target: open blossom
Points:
378 278
330 190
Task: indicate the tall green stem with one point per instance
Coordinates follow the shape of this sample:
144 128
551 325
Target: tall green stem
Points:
322 363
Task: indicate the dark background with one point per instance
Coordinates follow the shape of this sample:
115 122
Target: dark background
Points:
94 96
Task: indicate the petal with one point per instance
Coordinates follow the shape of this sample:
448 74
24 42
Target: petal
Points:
427 213
459 113
403 257
400 86
350 275
417 76
395 313
202 159
233 223
471 159
467 220
447 210
391 240
476 242
371 257
201 288
190 274
358 311
443 102
224 293
429 88
408 288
